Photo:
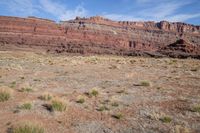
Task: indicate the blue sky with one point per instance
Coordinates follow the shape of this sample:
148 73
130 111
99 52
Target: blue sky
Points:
132 10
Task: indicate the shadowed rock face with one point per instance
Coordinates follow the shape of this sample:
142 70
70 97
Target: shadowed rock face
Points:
100 36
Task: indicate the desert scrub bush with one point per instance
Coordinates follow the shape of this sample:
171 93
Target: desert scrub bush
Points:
36 80
121 91
13 84
166 119
180 129
113 67
92 59
194 69
46 97
5 94
115 104
102 108
80 99
117 116
196 108
58 105
22 77
26 89
145 83
172 62
27 128
94 92
26 106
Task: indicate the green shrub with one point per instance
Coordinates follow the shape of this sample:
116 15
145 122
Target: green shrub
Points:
115 104
27 128
12 84
166 119
27 89
94 92
58 105
80 100
4 95
102 108
145 83
196 108
26 106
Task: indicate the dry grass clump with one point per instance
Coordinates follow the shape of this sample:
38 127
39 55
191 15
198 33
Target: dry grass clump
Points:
94 92
102 108
13 84
5 94
57 105
166 119
46 97
27 128
145 83
117 116
180 129
26 106
80 99
115 104
196 108
26 89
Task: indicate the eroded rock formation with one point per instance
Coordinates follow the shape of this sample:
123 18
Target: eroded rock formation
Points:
100 36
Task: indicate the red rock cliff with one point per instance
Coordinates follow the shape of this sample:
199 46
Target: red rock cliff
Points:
99 35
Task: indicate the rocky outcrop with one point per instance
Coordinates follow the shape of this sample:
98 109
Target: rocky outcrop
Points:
99 36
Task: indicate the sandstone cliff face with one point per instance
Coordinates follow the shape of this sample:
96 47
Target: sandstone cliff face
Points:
98 35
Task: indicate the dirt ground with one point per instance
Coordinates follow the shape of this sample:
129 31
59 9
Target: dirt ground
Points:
135 94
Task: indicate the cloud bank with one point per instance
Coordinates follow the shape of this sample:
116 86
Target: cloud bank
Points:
155 10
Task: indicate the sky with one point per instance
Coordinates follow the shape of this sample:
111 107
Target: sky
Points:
121 10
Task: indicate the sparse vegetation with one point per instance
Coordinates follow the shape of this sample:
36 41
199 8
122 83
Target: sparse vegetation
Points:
36 80
26 89
4 95
121 91
102 108
117 116
80 99
194 69
166 119
94 92
196 108
57 105
26 106
114 97
145 83
172 62
46 97
13 84
115 104
27 128
22 77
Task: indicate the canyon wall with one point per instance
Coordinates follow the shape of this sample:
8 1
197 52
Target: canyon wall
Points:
97 35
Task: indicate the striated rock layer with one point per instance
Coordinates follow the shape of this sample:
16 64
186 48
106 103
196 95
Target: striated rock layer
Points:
100 36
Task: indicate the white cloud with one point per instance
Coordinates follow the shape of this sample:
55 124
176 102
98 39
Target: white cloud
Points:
143 1
122 17
148 10
32 7
182 17
20 7
59 11
156 10
162 10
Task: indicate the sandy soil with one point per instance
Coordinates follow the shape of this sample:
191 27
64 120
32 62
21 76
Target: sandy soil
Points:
171 90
